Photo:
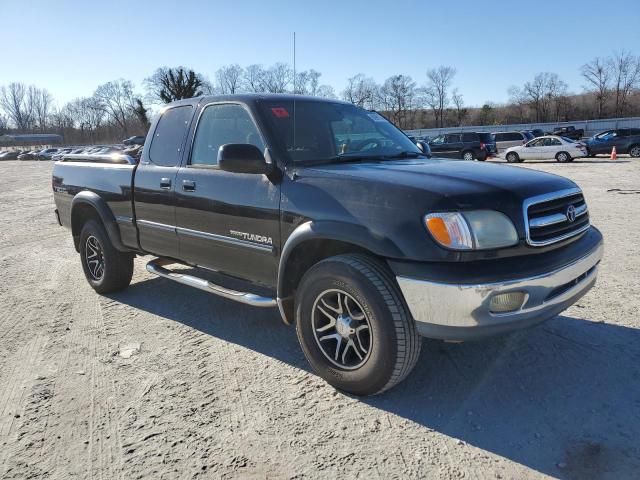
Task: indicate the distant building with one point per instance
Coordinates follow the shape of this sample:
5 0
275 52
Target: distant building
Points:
30 139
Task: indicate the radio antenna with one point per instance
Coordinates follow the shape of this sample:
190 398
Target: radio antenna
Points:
295 91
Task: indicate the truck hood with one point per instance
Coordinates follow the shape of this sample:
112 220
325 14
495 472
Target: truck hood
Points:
461 182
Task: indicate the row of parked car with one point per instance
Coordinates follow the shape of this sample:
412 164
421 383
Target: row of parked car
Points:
563 144
131 146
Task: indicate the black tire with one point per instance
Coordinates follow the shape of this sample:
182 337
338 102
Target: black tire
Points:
468 155
393 342
117 267
513 157
563 157
634 151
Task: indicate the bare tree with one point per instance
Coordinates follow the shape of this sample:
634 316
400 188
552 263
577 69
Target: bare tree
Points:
4 124
437 91
277 78
626 77
519 101
42 105
543 92
169 84
398 94
361 91
117 101
597 73
229 79
253 78
325 91
15 103
458 103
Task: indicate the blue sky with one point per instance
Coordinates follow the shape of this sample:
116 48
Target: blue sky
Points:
70 47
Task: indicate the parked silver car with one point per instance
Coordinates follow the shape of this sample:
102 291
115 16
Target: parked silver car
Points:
506 140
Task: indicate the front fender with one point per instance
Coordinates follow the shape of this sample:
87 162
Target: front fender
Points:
339 231
94 200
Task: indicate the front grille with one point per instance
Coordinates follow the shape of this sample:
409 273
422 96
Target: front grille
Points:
547 217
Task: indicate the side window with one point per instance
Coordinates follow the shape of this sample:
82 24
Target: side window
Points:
167 139
219 125
536 143
555 142
470 137
452 138
500 137
513 136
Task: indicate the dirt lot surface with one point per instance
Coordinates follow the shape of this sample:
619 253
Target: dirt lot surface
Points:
163 381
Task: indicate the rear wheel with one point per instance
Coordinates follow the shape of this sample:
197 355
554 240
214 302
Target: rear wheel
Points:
563 157
106 269
634 151
512 157
353 325
468 155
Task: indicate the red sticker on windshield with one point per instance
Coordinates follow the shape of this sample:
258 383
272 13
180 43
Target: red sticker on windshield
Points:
280 112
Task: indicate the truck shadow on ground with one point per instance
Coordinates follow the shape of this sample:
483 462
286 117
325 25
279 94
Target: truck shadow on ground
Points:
562 398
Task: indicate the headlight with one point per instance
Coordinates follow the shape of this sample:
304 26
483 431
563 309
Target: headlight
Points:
473 230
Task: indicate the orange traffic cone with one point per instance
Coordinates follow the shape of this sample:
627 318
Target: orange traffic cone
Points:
614 154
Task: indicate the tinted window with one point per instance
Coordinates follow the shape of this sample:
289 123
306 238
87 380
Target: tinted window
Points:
167 140
219 125
452 138
500 137
513 136
470 137
486 138
321 131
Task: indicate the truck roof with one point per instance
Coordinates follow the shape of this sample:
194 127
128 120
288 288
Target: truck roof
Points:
254 97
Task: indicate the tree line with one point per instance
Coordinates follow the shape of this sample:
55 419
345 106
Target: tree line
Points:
115 110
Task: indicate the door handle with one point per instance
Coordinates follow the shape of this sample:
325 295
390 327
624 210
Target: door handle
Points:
165 183
188 185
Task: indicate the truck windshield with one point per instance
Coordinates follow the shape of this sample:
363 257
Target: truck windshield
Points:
325 131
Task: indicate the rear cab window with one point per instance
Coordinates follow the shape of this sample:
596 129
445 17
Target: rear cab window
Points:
169 135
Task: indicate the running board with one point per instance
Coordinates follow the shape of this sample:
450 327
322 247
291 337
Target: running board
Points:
157 267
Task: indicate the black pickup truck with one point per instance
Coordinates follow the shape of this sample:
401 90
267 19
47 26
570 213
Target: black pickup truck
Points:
332 214
568 132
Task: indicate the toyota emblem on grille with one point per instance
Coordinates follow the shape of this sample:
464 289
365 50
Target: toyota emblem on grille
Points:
571 213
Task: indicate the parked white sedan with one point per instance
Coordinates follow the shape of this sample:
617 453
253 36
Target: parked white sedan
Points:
561 148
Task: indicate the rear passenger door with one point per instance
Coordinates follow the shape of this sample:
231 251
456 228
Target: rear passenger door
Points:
228 222
154 183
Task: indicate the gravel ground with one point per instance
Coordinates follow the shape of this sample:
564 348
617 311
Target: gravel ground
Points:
163 381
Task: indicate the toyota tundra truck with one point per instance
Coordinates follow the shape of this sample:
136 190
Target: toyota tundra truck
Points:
334 216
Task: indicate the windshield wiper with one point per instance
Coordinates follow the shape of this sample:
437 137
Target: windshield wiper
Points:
405 154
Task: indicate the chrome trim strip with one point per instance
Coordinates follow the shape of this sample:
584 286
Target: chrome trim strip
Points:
224 239
545 198
556 218
124 219
468 306
548 220
157 268
581 210
156 225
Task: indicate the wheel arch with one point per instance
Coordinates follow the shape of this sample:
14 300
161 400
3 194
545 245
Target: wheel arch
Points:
88 205
312 242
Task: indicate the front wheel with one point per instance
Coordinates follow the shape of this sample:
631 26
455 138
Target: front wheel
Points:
106 269
353 325
512 157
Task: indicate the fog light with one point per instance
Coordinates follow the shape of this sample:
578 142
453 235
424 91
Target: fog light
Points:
507 302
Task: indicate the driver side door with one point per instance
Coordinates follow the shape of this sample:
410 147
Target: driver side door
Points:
227 222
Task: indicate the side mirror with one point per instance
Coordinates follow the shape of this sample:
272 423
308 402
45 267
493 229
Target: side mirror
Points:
424 147
243 158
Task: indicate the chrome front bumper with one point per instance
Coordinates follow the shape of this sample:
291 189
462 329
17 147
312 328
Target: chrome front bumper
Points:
461 312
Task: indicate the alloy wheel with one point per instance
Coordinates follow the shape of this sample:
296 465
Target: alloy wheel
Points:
468 156
341 329
94 258
635 152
